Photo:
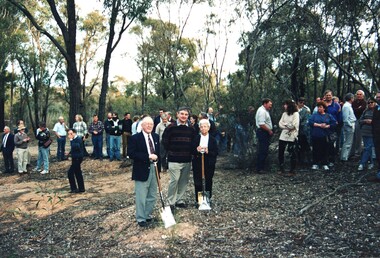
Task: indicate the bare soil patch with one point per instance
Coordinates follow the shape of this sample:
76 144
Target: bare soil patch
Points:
314 214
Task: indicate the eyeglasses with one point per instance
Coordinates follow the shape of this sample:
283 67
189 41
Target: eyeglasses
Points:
369 103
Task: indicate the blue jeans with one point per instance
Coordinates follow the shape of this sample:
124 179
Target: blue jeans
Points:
367 152
263 138
43 157
61 141
115 141
97 142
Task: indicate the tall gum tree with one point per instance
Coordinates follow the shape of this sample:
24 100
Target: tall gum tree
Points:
67 25
121 13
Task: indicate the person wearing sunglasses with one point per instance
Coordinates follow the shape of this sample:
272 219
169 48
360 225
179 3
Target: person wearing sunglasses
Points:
365 126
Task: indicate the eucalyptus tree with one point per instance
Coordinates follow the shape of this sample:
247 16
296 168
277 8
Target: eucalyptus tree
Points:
166 60
324 44
10 36
94 30
121 13
65 21
39 62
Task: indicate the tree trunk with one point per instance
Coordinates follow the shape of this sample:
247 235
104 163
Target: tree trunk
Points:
2 101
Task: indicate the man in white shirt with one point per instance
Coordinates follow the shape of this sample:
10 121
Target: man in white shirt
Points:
264 132
60 129
349 119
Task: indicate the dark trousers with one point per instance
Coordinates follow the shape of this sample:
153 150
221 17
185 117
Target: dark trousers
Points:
163 157
125 138
263 139
61 142
376 142
8 162
320 150
292 151
75 172
304 149
97 142
197 176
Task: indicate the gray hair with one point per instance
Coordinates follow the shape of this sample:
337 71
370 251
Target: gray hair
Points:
204 121
349 96
164 116
7 127
146 119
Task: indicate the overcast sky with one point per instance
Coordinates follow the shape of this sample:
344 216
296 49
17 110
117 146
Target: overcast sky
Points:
122 62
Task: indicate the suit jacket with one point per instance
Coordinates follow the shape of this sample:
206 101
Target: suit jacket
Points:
138 151
210 158
9 145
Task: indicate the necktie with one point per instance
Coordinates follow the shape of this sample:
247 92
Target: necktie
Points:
151 148
5 140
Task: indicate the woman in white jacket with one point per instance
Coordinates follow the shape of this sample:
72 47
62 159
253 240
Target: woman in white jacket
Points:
289 124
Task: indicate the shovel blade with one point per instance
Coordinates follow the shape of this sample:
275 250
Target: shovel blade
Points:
167 217
204 206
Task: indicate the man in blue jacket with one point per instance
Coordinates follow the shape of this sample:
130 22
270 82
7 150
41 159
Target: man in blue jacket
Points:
7 147
144 149
75 171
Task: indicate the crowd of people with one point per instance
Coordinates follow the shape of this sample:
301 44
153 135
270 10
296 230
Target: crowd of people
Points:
181 144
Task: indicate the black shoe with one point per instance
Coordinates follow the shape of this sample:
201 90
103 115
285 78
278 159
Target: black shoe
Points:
142 224
151 220
74 191
172 208
181 205
81 191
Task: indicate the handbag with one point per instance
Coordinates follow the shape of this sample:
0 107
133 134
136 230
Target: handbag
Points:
332 137
47 143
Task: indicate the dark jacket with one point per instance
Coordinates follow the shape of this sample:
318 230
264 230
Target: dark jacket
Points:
108 125
9 145
366 129
210 157
76 148
137 150
116 127
126 125
42 136
376 122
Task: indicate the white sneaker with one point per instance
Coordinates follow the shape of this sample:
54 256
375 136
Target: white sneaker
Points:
314 167
370 166
361 167
37 170
43 172
325 167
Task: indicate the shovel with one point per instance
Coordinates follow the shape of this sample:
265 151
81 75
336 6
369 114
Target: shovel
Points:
165 212
202 196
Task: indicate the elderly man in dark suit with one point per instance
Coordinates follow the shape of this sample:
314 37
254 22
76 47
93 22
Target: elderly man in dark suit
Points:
7 147
144 149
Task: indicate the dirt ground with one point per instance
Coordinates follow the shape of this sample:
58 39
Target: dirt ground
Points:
314 214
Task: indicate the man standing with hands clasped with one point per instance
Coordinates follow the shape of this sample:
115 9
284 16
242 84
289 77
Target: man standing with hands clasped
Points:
144 149
177 140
